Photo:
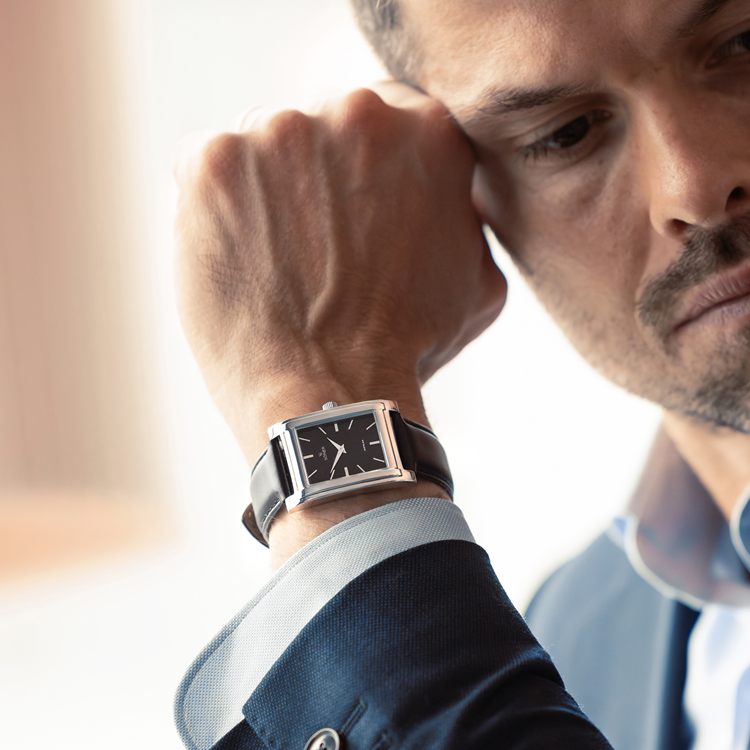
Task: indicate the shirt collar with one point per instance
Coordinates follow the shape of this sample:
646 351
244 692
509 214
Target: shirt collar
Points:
675 536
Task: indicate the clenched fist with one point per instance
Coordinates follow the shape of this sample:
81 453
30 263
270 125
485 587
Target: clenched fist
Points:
331 256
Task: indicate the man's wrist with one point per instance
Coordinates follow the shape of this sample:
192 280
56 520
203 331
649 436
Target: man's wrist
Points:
250 417
290 532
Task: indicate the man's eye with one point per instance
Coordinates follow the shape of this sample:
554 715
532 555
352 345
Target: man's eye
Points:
569 135
739 45
565 138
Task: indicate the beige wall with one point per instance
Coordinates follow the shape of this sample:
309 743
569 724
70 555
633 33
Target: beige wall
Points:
83 459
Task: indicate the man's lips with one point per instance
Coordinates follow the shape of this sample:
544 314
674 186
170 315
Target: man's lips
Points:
719 291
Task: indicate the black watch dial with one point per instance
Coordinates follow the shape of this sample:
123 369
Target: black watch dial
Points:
341 448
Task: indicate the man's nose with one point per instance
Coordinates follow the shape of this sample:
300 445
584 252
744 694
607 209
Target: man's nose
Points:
696 163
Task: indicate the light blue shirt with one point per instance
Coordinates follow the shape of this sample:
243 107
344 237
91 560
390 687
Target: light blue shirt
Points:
677 539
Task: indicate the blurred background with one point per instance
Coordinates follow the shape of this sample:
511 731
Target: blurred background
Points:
121 489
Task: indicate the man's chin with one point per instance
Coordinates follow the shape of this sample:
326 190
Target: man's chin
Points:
722 399
726 411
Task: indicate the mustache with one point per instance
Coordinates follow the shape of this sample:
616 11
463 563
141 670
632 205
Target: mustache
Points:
706 252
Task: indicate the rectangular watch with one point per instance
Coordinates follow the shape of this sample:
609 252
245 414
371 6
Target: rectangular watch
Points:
337 451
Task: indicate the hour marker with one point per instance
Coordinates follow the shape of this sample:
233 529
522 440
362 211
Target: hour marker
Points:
361 469
350 424
336 427
375 442
309 476
322 430
372 425
307 440
379 459
346 470
310 456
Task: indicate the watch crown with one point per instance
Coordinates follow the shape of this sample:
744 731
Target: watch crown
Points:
330 405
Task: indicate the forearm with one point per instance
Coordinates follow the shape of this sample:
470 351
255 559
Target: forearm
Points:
392 624
428 646
331 257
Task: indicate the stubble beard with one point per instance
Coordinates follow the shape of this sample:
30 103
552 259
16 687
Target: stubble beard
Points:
710 386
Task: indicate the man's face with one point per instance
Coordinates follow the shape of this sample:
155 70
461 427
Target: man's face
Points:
614 149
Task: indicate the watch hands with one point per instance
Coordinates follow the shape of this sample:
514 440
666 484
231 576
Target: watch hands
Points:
337 446
341 450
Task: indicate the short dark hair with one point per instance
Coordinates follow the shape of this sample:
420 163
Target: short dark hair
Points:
383 25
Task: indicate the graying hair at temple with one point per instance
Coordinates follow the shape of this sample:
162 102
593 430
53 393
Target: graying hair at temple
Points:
383 24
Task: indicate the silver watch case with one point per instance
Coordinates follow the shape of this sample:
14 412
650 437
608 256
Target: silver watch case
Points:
304 493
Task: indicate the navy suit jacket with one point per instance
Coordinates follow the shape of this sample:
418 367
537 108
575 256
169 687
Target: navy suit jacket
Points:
423 650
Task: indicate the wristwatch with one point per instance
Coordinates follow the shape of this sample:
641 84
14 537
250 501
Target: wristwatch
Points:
338 451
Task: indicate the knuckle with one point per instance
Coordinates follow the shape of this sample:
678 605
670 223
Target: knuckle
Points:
433 109
286 127
364 99
220 158
364 109
438 120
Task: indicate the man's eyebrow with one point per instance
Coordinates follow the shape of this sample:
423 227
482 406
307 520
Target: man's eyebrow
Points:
499 102
506 101
705 10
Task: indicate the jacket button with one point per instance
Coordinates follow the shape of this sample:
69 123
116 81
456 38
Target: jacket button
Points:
324 739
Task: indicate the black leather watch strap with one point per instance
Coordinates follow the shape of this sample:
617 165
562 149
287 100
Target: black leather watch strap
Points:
421 452
270 485
419 449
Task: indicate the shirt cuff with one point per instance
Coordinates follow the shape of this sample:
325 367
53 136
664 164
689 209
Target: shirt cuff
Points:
210 697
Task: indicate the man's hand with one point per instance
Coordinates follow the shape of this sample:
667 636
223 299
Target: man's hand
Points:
332 256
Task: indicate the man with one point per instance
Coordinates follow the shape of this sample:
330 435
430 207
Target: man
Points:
606 145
